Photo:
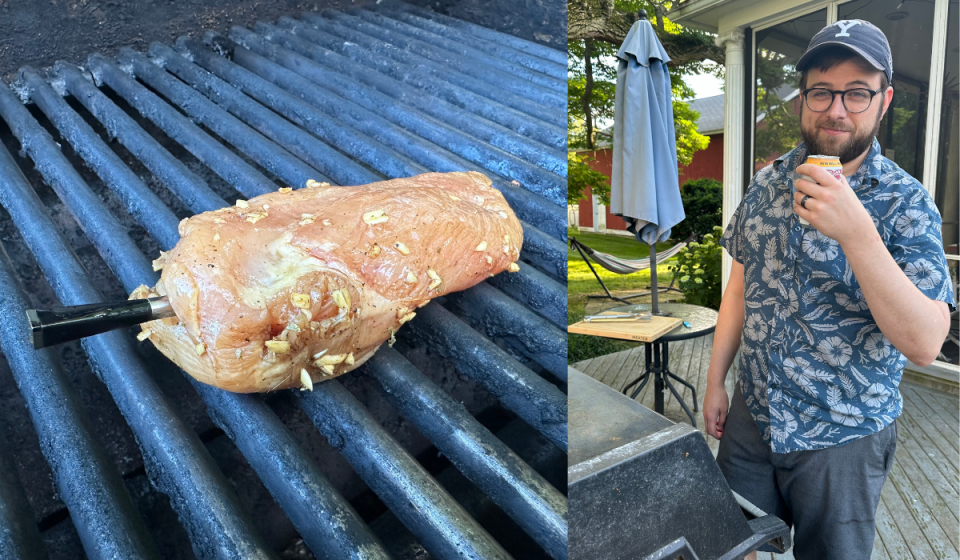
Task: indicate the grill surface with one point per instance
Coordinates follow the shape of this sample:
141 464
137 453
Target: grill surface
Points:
123 148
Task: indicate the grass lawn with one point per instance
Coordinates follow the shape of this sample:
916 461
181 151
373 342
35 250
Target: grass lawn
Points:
581 282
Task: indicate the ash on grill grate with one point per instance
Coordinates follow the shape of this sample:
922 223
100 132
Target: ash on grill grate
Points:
452 442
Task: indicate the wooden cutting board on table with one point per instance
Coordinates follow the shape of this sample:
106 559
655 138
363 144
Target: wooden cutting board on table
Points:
641 331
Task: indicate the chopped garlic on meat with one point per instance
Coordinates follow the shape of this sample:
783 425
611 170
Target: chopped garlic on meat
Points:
319 354
306 219
411 277
239 353
160 261
331 359
374 251
514 267
200 349
350 360
482 246
436 280
242 203
278 346
502 214
375 217
452 197
341 298
285 189
407 317
306 380
300 300
401 248
144 334
489 259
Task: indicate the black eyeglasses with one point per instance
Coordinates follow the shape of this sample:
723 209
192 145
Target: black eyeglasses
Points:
856 100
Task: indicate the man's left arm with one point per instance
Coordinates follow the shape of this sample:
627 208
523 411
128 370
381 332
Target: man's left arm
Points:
913 322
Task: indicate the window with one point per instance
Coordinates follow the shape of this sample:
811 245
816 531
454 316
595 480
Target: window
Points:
778 48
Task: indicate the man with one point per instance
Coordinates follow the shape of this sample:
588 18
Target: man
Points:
826 314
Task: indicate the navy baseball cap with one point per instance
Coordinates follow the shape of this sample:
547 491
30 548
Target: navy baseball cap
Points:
862 37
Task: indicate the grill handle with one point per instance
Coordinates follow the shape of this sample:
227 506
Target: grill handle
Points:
63 324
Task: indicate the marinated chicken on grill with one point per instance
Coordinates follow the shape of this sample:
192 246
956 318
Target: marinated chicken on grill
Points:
298 286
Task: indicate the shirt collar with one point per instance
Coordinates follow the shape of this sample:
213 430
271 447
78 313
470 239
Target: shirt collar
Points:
870 168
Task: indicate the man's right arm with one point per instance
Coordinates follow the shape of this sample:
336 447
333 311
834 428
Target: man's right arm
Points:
726 341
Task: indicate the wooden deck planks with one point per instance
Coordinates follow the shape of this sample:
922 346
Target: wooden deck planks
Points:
919 512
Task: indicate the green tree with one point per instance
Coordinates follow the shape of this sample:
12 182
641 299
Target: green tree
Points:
596 30
581 176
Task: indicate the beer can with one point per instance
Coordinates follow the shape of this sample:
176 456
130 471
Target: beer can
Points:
829 163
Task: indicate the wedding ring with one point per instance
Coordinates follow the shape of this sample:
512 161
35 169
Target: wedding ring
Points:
803 201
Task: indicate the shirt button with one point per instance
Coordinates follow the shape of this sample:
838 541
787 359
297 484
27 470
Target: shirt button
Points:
796 228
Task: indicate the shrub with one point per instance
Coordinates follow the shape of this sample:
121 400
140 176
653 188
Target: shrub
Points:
698 271
702 203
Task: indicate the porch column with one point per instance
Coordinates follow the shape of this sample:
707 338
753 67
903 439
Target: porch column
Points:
733 111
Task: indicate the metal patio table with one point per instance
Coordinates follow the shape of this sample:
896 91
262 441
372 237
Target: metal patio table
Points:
702 321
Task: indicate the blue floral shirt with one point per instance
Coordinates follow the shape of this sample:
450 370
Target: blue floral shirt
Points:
815 369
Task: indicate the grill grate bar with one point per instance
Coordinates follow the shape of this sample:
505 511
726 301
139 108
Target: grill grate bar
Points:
516 134
425 507
481 99
150 211
278 161
187 186
326 521
176 459
477 68
229 166
98 224
518 389
341 169
522 493
499 315
472 149
460 48
99 502
493 49
20 538
522 45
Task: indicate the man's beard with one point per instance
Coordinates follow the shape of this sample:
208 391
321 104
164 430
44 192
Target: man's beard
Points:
848 150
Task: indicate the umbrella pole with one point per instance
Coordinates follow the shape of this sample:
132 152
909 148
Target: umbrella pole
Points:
654 292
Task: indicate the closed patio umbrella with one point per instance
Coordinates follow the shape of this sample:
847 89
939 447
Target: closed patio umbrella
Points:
645 188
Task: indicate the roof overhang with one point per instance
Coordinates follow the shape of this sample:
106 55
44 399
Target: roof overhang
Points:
722 16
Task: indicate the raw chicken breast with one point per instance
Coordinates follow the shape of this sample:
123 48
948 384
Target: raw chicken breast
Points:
295 287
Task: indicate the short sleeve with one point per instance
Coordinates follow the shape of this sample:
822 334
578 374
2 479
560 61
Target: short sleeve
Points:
916 244
732 239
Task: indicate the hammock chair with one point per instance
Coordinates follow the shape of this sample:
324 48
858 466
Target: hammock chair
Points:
618 265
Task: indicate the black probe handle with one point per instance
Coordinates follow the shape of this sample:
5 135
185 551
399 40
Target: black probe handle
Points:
63 324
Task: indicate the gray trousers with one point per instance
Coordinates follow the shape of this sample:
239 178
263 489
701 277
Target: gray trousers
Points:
829 496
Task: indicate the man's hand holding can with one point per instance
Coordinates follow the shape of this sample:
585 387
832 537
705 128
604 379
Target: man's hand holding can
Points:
826 201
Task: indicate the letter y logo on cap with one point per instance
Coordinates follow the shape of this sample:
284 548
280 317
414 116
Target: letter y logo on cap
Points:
844 25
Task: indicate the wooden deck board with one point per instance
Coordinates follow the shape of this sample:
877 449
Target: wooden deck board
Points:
931 442
919 512
939 407
893 542
937 422
631 369
916 461
942 544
